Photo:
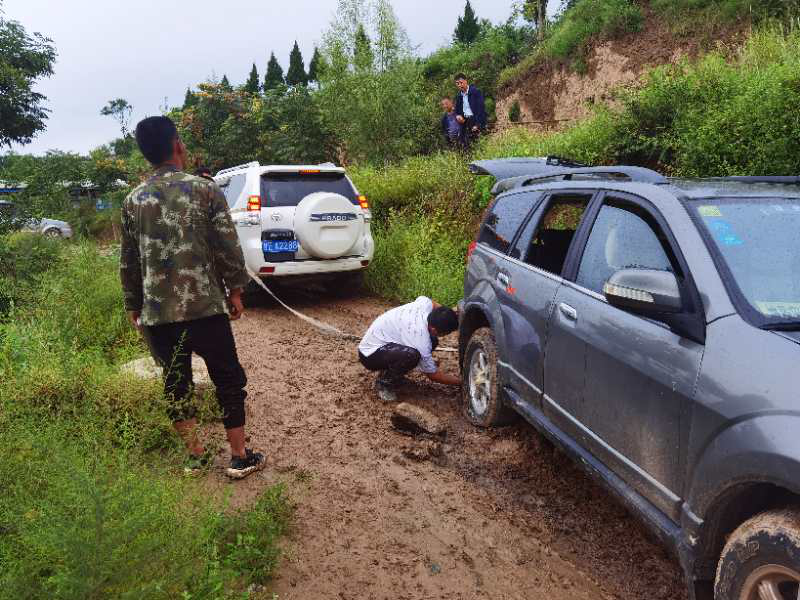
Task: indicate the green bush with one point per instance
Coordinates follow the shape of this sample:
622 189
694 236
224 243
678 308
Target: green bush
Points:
515 112
24 257
723 10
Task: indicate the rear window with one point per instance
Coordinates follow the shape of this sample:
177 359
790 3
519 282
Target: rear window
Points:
504 218
288 189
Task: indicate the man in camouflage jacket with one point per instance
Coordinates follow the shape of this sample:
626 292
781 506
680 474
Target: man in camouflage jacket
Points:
183 274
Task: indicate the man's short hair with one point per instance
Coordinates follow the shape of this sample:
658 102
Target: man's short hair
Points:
155 136
444 320
203 172
459 77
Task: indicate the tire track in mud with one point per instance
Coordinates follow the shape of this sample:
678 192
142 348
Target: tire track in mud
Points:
485 514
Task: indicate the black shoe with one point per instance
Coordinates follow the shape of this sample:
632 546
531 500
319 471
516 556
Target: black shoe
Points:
242 467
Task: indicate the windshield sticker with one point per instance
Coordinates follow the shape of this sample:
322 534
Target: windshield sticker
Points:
724 233
710 211
779 309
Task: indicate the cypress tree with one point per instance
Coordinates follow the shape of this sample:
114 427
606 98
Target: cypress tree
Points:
314 66
274 76
253 84
190 99
297 68
468 27
225 84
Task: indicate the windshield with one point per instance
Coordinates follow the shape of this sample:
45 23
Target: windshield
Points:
288 189
759 242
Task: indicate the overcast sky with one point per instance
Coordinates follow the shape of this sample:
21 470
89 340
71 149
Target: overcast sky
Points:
149 50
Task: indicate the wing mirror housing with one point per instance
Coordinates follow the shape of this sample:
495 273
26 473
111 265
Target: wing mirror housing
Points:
644 291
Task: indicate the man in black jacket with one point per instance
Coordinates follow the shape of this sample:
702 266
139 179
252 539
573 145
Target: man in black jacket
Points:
470 110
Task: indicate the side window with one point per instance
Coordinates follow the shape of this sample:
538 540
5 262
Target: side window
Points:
504 219
233 188
621 238
548 239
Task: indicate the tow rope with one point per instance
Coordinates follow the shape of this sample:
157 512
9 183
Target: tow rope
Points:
321 325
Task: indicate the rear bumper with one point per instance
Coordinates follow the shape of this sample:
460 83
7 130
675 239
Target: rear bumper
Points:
310 268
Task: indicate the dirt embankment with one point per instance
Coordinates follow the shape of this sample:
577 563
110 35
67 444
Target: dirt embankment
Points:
381 515
553 94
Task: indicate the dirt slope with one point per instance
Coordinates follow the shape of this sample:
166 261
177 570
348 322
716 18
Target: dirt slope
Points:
552 94
380 515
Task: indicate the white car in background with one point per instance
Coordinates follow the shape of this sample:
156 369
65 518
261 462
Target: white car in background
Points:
300 223
52 228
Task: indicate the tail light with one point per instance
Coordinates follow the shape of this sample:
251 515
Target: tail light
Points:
471 249
254 203
266 270
363 202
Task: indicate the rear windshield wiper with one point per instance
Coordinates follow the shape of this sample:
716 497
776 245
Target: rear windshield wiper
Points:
783 326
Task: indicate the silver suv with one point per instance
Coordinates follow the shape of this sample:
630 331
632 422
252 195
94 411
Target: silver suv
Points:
650 328
300 222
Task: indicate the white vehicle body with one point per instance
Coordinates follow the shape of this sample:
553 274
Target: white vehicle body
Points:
305 222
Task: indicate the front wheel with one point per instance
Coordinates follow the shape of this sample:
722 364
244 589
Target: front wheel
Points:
481 390
54 234
761 560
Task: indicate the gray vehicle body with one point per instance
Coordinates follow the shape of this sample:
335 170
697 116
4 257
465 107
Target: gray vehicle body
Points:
49 227
691 421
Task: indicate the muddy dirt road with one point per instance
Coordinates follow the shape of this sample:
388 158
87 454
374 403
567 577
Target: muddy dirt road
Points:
380 515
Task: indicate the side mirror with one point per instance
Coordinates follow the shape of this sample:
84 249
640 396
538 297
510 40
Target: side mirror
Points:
644 291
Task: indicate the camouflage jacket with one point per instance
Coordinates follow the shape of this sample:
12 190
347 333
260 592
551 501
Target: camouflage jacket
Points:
179 249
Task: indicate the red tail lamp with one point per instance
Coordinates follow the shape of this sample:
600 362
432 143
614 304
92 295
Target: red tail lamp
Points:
471 249
254 203
362 200
266 270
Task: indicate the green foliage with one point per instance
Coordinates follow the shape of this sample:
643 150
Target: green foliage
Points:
23 259
190 99
724 10
24 59
515 112
468 28
120 110
225 84
274 77
297 68
253 84
87 511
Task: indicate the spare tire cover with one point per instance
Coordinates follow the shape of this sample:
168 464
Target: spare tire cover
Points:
327 225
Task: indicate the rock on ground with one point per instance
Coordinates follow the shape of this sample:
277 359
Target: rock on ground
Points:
146 368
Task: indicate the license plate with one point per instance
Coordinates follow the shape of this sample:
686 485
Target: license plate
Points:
277 246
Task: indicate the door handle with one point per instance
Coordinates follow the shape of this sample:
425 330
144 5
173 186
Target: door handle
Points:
568 311
503 279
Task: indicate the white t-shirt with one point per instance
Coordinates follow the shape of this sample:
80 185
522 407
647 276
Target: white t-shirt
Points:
406 325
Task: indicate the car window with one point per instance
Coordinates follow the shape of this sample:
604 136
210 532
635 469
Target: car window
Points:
233 188
620 239
503 220
547 239
288 189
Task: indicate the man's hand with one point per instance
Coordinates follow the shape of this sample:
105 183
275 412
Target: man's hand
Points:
235 304
135 318
460 119
444 378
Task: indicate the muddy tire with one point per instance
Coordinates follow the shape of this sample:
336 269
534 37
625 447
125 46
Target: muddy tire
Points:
481 391
761 559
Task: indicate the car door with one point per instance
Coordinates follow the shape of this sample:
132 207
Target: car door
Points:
639 375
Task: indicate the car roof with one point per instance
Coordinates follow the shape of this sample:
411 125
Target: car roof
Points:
716 188
262 169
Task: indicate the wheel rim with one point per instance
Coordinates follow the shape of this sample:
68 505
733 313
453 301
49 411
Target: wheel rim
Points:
480 382
772 582
53 233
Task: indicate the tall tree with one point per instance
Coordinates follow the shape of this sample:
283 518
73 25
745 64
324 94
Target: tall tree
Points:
253 84
274 76
190 99
24 59
315 66
468 28
120 110
363 58
391 39
535 11
225 84
296 75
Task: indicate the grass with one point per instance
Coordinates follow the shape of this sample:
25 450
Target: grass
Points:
94 502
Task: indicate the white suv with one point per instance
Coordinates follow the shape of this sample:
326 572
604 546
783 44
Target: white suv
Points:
300 222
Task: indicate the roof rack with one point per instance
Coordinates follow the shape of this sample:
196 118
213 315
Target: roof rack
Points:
253 163
634 174
790 179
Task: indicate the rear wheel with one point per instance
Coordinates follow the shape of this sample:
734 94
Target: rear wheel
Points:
53 233
761 560
483 403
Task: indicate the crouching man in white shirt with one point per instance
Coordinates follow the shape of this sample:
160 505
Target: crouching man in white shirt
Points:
404 339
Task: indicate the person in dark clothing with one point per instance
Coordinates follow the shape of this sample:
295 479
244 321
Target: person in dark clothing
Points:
204 172
451 128
470 110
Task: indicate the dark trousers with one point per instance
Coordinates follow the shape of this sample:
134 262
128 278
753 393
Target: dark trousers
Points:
394 361
468 137
212 340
